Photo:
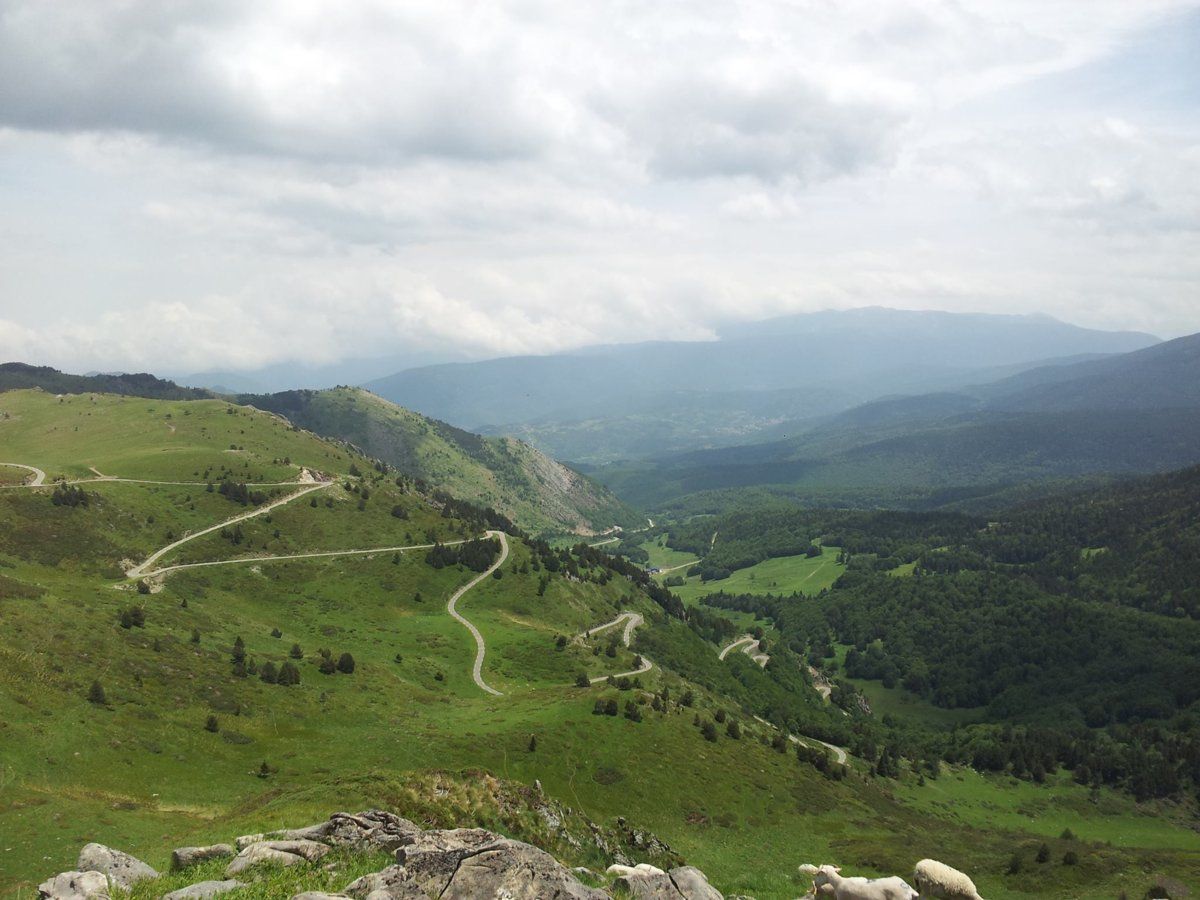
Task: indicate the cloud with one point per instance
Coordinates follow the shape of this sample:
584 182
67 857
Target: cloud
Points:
186 186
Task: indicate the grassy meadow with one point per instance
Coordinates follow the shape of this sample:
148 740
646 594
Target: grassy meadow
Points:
144 771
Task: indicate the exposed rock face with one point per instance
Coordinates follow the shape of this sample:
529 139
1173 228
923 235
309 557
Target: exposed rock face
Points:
279 853
75 886
121 868
202 890
371 830
183 857
452 864
684 882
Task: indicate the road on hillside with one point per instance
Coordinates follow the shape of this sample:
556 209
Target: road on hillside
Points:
38 475
314 555
632 620
838 753
729 648
480 646
143 568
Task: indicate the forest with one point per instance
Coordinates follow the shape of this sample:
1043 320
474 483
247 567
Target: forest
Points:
1068 624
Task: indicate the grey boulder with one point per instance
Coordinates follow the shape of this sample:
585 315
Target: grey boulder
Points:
682 883
279 853
120 868
184 857
202 890
374 829
472 862
318 895
75 886
391 883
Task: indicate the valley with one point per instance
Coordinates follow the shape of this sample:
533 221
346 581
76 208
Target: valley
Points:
426 637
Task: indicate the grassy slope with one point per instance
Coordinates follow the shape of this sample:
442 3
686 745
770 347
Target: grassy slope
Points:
782 575
142 772
509 475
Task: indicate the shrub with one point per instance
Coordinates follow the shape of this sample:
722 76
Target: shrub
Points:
296 652
268 673
1070 858
709 731
345 663
96 694
211 724
582 680
327 666
288 675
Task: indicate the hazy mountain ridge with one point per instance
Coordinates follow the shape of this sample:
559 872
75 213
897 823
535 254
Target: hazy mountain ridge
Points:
606 403
1118 415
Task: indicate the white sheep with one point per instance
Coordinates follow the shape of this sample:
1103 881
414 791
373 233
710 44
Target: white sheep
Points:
858 888
935 879
822 890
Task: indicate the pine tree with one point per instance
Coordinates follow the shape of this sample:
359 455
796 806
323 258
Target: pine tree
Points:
709 731
211 724
264 770
268 674
296 652
532 743
582 680
195 635
345 663
327 666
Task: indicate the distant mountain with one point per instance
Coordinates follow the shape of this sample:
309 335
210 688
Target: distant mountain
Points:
503 473
18 376
629 401
1133 413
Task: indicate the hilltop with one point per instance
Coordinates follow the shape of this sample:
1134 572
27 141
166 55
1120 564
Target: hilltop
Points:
504 473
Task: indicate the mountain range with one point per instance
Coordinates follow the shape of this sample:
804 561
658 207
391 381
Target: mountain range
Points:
607 403
1130 413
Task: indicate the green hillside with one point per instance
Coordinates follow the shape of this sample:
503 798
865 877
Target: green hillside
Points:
134 711
504 473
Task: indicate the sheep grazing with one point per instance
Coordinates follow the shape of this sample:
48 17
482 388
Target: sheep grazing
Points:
935 879
858 888
821 890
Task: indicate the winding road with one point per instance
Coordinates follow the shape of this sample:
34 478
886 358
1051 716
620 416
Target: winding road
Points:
632 620
143 568
319 553
38 475
480 646
729 648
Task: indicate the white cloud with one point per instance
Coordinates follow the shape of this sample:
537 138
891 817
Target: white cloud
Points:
226 184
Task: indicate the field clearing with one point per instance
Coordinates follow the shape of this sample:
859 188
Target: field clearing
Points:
663 557
782 575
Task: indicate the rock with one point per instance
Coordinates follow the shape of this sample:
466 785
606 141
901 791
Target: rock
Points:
280 853
75 886
516 871
371 830
433 857
692 884
202 890
183 857
391 883
650 883
241 843
318 895
121 868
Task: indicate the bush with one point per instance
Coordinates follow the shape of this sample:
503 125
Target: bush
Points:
582 680
345 663
1070 858
143 586
96 694
327 666
211 724
288 675
268 674
296 652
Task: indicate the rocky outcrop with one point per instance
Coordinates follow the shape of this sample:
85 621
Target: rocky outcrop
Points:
121 869
75 886
278 853
185 857
449 864
202 890
650 883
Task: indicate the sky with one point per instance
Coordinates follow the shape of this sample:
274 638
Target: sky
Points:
222 185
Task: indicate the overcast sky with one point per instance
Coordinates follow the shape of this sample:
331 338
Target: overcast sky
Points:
223 184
